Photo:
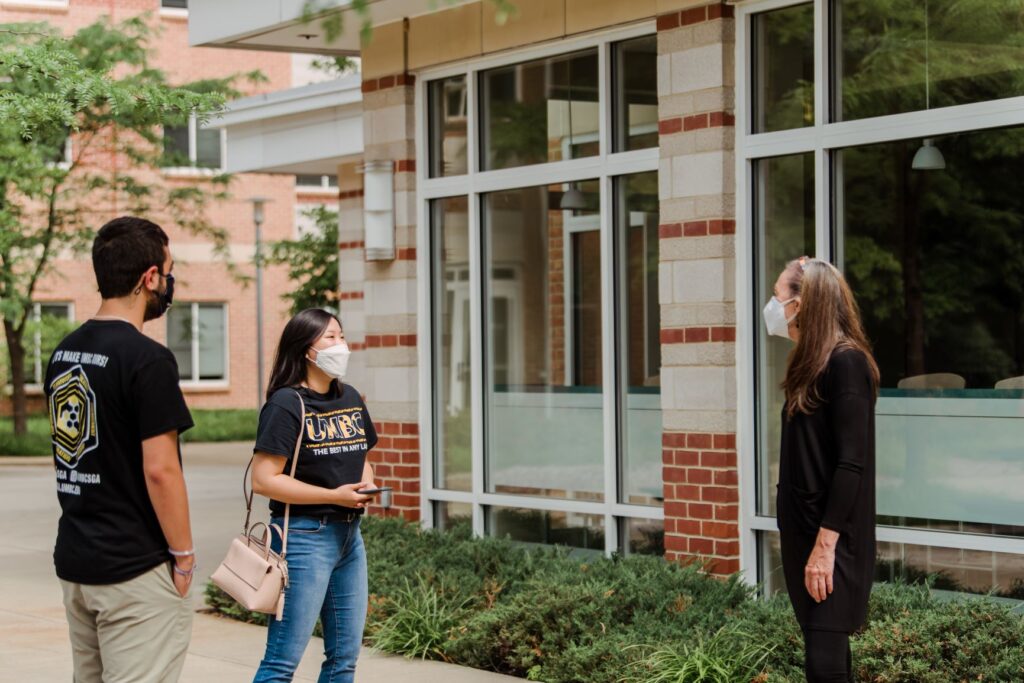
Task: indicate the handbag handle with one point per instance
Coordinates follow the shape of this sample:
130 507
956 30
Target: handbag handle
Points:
248 492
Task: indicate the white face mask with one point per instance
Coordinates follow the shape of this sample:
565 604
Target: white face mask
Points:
333 360
775 318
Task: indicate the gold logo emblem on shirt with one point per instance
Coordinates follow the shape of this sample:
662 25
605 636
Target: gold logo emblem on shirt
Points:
72 416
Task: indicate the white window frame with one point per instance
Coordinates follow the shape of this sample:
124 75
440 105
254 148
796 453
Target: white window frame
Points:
193 152
605 167
177 12
822 139
38 367
324 187
194 382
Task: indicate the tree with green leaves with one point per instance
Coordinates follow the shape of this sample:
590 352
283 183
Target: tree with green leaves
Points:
98 87
312 262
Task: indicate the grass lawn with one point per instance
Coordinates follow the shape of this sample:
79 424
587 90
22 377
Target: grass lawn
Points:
211 425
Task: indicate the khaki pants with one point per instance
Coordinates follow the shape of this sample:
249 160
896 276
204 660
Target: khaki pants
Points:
136 631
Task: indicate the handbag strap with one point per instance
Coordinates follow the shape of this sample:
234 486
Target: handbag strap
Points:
247 488
295 461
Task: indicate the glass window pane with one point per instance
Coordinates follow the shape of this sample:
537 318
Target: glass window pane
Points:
547 527
453 426
448 515
447 111
544 409
176 4
308 180
935 259
783 69
212 342
176 146
637 234
643 536
208 148
784 200
916 55
527 117
636 94
179 338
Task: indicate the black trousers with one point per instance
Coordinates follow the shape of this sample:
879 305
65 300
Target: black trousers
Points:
827 657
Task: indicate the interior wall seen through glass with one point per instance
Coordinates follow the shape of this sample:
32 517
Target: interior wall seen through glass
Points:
540 111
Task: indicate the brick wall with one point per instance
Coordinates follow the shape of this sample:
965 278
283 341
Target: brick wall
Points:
396 463
696 285
201 276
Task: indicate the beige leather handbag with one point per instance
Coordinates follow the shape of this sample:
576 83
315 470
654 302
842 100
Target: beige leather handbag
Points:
252 573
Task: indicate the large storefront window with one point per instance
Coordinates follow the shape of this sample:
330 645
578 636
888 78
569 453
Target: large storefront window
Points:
936 260
920 208
544 407
545 110
544 314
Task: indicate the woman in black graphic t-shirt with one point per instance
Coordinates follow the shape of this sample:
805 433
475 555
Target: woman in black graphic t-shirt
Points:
326 561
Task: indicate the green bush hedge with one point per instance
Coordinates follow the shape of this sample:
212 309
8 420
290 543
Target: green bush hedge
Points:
544 615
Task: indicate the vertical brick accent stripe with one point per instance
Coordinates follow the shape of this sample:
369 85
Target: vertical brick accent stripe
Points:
396 463
701 500
385 82
694 15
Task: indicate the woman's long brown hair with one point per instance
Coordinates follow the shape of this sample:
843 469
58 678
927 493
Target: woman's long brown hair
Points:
829 319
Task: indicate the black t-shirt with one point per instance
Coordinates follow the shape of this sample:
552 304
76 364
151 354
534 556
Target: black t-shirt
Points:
337 433
108 388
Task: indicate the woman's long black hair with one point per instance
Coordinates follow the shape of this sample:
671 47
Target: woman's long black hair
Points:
301 332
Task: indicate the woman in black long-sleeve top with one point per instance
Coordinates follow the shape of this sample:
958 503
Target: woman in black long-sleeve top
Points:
826 496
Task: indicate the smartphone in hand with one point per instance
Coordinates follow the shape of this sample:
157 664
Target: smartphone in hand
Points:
373 492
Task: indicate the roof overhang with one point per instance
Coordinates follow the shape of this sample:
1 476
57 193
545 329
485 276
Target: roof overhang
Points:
277 25
307 130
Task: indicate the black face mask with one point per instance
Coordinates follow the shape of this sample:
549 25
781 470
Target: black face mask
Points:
160 301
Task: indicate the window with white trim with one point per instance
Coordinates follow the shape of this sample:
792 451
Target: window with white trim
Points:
50 322
891 146
541 213
326 183
193 146
197 334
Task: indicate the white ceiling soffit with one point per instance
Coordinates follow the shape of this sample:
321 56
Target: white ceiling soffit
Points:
276 25
310 129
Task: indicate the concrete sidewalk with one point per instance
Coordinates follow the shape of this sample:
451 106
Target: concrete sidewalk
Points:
34 645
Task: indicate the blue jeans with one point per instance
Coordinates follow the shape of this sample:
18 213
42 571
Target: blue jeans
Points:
326 578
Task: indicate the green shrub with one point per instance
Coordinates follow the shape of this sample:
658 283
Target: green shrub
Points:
222 425
543 614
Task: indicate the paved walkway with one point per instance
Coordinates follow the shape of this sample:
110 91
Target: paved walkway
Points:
33 632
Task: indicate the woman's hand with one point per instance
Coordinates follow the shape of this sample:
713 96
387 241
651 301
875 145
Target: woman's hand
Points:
821 564
348 495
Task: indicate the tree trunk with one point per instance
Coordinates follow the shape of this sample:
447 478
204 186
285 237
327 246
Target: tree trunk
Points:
16 354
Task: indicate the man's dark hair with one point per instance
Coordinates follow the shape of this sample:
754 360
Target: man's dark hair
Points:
123 250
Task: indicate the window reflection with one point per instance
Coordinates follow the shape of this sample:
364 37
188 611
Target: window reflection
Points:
447 109
783 69
636 94
936 261
544 411
919 55
452 373
546 527
784 198
539 111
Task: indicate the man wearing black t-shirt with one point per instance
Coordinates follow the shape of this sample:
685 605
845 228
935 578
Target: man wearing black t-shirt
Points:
124 542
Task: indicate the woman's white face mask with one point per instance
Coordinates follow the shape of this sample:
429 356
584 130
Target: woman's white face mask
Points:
333 360
775 317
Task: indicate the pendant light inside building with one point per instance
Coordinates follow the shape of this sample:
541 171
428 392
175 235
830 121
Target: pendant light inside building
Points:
928 156
572 199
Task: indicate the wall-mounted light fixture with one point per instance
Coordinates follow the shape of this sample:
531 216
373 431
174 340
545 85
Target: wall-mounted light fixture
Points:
379 210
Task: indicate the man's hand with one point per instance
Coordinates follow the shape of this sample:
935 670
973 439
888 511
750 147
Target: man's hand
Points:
821 564
181 581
